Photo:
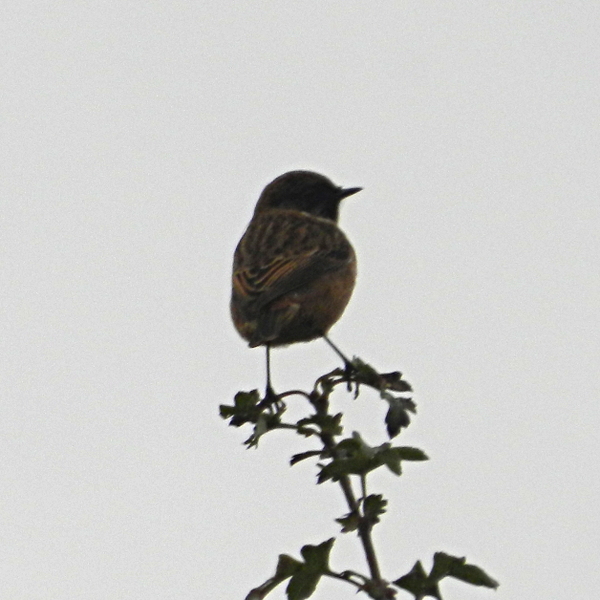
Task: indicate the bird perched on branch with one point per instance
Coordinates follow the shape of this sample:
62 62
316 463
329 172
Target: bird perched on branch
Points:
294 269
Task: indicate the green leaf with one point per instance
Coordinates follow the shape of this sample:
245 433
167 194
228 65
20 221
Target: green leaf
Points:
260 428
391 460
338 468
317 557
418 584
397 416
244 410
354 457
349 522
304 455
286 567
392 457
475 576
305 579
349 446
445 565
246 400
394 381
302 585
366 374
410 453
326 423
373 507
364 371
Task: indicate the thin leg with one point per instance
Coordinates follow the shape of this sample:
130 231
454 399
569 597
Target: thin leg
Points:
348 366
347 362
270 394
268 349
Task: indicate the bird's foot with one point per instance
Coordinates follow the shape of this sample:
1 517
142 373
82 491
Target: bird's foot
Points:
271 400
350 373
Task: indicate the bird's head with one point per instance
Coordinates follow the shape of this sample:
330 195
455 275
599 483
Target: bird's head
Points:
304 191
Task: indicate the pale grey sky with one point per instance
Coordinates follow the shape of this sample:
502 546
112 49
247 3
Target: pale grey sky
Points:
136 137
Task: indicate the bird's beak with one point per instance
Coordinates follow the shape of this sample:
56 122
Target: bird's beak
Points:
345 192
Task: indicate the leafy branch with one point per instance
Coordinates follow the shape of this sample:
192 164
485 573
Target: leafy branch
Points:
347 461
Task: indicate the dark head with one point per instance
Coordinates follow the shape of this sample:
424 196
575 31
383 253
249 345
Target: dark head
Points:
305 191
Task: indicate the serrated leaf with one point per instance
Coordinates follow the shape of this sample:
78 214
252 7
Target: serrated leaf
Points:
337 468
226 411
244 410
325 423
329 423
246 399
391 460
317 557
392 457
353 458
404 453
358 458
393 381
349 522
445 565
417 583
363 369
367 375
373 507
396 418
305 578
349 446
260 428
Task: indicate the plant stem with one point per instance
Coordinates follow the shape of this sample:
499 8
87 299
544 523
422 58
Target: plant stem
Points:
364 528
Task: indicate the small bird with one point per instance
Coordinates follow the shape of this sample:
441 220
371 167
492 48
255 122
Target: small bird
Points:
294 269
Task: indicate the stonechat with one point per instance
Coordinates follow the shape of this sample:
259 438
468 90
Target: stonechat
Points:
294 269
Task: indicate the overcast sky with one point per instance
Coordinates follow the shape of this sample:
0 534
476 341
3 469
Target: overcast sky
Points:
136 137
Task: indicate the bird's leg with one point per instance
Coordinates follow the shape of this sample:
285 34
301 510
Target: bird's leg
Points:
270 395
338 351
348 366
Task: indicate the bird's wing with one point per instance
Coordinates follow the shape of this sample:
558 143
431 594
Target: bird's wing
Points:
282 265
